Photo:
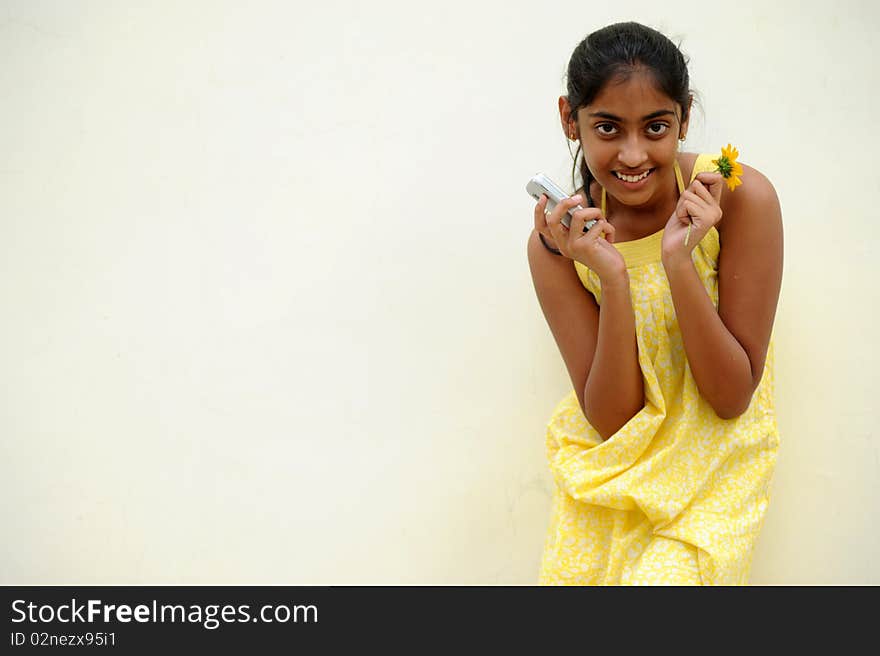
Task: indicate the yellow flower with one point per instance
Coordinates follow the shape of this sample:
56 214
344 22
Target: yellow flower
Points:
728 167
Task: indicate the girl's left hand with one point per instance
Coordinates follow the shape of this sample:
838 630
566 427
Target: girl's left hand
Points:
698 204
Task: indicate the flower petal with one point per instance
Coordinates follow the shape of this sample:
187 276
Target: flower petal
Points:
727 165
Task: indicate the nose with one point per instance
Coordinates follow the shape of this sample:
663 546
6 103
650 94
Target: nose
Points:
632 152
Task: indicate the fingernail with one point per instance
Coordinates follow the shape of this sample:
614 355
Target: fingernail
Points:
577 198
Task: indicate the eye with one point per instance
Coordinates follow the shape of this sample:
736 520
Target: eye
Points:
601 129
657 129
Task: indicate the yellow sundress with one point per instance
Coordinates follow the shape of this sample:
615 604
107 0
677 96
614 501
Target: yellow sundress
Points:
676 496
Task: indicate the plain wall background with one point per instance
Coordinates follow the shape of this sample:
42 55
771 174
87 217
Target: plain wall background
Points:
266 310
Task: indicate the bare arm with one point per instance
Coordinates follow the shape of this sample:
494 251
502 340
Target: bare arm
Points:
598 347
726 348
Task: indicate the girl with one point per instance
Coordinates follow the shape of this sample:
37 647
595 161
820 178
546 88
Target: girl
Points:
663 452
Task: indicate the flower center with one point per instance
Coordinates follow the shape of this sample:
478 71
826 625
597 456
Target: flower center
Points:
724 167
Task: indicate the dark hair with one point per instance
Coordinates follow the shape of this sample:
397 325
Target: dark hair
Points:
616 52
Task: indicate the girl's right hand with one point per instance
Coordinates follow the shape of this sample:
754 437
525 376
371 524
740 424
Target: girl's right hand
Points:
591 248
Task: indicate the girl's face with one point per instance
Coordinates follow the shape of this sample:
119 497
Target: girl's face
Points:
632 129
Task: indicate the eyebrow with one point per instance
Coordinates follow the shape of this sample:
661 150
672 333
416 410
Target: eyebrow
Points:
612 117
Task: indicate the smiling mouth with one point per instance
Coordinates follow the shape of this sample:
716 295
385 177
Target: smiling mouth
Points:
633 178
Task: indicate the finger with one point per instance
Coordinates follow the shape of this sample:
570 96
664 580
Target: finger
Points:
607 230
601 230
556 230
540 214
681 210
579 228
690 193
689 207
701 191
714 183
696 198
554 219
709 177
583 216
694 210
708 211
597 230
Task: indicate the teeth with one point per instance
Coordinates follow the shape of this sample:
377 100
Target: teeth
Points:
632 178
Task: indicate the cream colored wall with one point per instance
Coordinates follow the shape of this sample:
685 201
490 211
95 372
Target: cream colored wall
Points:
267 315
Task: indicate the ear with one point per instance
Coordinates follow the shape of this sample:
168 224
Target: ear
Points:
686 122
569 120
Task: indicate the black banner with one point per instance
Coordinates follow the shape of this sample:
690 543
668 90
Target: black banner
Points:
255 619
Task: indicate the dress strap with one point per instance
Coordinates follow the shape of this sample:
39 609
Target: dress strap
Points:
678 179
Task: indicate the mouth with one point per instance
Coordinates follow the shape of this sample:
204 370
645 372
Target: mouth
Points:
633 181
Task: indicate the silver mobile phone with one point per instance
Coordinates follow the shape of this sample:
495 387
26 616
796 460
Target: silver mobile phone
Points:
541 184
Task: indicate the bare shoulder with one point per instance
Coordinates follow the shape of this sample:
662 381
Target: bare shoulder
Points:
750 264
754 201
